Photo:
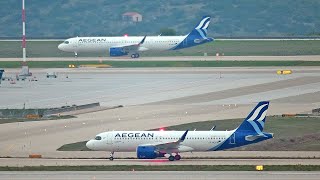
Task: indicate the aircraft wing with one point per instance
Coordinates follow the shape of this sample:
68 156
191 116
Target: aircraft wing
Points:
164 147
132 47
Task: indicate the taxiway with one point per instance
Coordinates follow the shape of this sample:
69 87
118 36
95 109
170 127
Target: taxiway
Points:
161 175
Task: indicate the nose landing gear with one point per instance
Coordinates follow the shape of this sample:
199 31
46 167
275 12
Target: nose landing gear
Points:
111 156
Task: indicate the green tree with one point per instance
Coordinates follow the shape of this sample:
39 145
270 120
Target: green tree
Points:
167 32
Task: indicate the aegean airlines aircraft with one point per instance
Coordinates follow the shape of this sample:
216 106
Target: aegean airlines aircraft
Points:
133 45
154 144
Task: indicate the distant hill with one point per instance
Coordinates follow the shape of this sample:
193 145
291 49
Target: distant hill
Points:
65 18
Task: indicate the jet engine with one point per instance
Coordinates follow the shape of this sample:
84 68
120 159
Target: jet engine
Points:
148 152
117 51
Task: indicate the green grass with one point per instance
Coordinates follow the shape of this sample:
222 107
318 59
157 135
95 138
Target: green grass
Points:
164 168
136 64
287 131
9 49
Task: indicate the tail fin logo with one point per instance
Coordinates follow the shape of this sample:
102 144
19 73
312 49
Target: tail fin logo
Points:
257 118
202 27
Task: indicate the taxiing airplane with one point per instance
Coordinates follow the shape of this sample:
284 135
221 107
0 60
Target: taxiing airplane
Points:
133 45
154 144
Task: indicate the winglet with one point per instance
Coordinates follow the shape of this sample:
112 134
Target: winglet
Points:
142 41
213 127
184 136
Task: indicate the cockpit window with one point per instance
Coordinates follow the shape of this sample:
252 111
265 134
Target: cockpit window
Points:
66 42
98 138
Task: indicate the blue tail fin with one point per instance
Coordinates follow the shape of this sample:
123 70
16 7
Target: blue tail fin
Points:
200 31
197 36
256 119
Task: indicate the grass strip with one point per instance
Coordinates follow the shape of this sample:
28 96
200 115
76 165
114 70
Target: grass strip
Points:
228 48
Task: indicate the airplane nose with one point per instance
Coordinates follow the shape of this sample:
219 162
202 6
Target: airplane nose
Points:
90 145
60 47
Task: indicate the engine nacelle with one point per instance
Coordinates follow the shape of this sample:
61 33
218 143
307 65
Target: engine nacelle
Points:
148 152
117 51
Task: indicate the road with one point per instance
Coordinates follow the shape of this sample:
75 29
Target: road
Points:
161 175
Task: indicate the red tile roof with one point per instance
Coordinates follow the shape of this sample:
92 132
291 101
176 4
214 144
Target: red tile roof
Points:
130 14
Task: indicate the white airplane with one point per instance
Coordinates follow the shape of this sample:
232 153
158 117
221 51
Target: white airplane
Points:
154 144
121 46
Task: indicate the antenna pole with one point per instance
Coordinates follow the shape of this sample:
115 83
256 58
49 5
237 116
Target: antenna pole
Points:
24 69
23 33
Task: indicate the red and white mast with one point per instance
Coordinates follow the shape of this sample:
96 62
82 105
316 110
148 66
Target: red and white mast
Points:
24 69
23 34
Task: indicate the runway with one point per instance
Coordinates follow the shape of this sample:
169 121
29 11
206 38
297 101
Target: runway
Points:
160 175
21 162
177 58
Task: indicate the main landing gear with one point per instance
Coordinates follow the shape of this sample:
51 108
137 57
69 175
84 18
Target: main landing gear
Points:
111 156
177 157
135 55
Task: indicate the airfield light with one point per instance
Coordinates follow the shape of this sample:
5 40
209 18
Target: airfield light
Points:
161 129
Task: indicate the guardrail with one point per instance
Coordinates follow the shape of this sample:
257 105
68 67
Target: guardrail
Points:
69 108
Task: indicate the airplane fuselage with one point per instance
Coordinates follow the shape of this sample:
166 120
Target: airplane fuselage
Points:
103 44
128 141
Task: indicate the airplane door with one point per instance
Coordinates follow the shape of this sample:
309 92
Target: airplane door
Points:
75 45
109 138
233 138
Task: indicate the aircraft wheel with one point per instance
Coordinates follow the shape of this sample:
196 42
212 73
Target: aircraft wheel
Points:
177 157
133 55
137 55
171 158
111 156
